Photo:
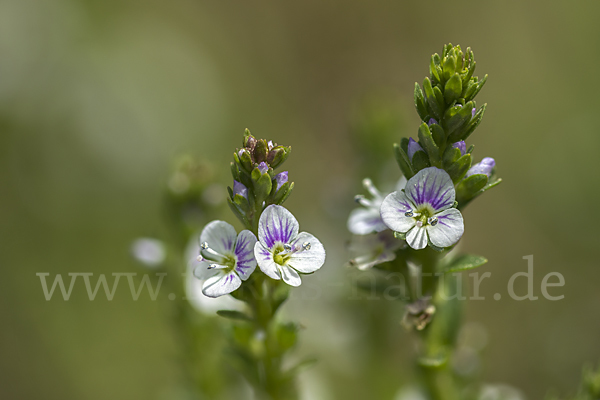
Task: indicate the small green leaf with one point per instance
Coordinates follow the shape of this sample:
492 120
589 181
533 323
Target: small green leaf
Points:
428 144
438 134
465 262
403 162
420 103
420 160
434 105
235 315
453 89
458 169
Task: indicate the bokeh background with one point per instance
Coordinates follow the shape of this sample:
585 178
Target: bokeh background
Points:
97 97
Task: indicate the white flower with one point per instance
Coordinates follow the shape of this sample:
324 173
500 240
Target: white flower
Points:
150 252
424 211
281 251
367 219
226 258
193 286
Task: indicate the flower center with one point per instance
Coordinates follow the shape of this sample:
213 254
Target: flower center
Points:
225 261
283 252
423 215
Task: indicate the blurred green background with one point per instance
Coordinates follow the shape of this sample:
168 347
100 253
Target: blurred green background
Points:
98 96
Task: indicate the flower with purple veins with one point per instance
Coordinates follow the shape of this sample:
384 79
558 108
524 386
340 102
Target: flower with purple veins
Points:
282 252
226 258
484 167
413 147
367 219
424 210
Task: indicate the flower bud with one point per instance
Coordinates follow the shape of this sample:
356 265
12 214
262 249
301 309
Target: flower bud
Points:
484 167
280 179
240 188
462 146
413 147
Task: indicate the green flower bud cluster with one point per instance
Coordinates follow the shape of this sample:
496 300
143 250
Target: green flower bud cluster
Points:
253 169
449 116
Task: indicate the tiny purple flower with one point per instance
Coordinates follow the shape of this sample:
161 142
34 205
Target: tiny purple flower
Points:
282 252
226 258
263 167
462 146
413 147
424 210
240 188
281 179
473 112
484 167
431 121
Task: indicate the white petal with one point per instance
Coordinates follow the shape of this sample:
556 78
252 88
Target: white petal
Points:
276 224
220 237
244 251
202 272
363 221
417 238
290 276
221 284
264 258
432 186
448 230
310 260
393 208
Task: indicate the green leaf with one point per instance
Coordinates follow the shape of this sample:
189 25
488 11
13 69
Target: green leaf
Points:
453 89
464 262
438 134
420 103
459 168
420 160
235 315
434 70
467 188
403 162
475 121
434 105
428 144
287 336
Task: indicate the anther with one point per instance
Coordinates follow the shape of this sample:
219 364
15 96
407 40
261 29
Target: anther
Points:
287 247
409 213
204 245
200 258
213 266
432 221
306 246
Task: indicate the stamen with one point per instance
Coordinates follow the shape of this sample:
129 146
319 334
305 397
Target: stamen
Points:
213 266
200 258
362 200
204 245
287 247
409 213
432 221
368 184
306 246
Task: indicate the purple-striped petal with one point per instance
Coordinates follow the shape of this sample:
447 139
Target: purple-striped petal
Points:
417 238
220 237
265 261
221 284
276 224
290 276
448 230
393 210
363 221
309 260
462 146
281 179
240 188
413 147
244 251
401 184
484 167
431 186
